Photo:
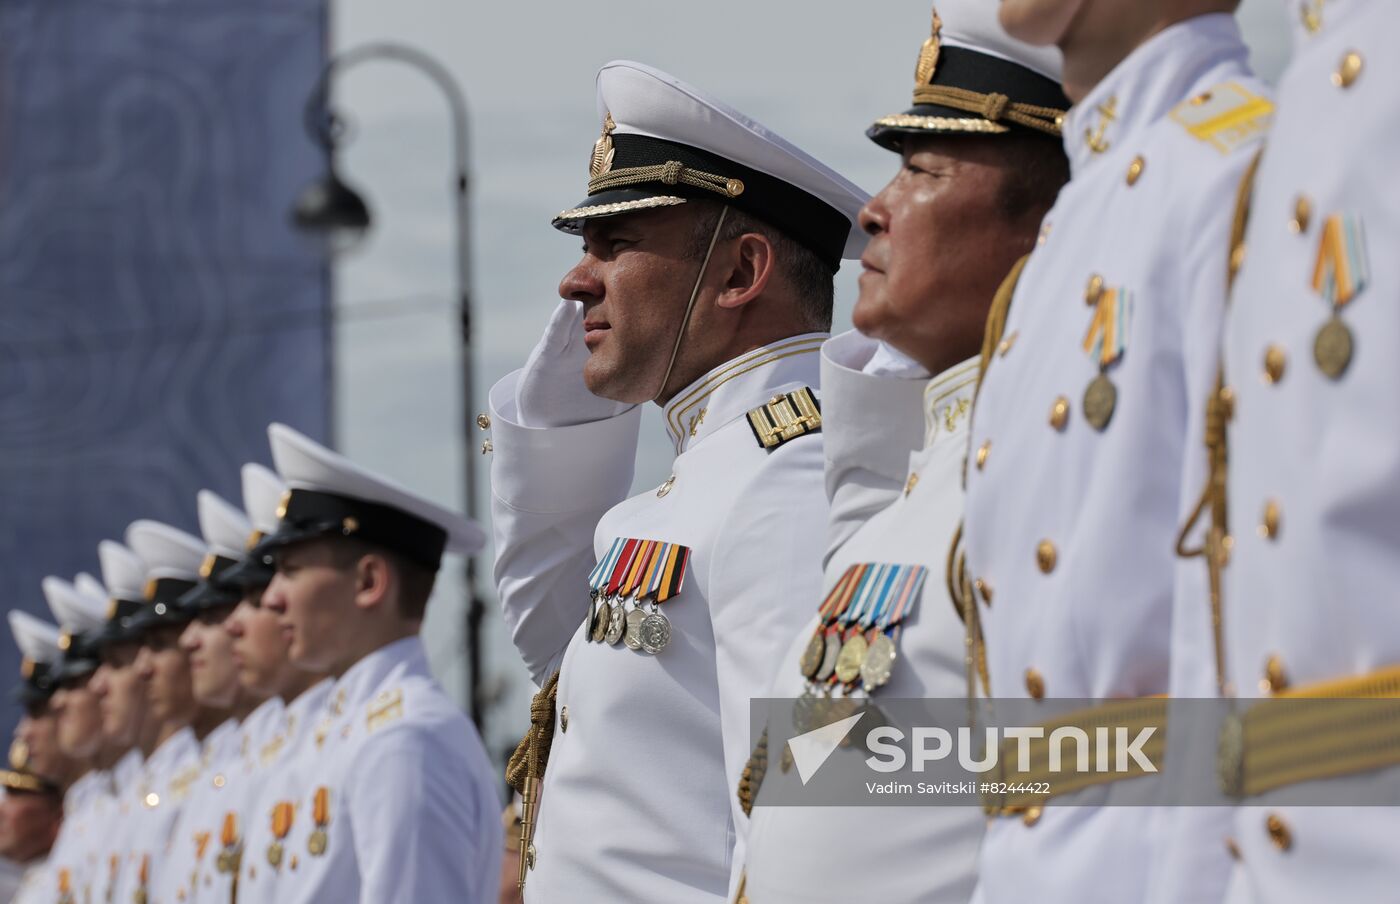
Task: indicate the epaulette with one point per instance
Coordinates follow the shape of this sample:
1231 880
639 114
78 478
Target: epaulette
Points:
1227 117
180 785
385 708
785 418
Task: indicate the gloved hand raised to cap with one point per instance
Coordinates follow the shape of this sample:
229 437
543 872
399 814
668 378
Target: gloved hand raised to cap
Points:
551 391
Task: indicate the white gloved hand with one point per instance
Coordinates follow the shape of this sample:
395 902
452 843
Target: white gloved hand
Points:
551 391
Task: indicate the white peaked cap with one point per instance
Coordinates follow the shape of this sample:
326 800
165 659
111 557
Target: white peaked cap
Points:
123 572
305 464
642 101
36 639
974 24
262 491
224 526
77 610
91 586
167 551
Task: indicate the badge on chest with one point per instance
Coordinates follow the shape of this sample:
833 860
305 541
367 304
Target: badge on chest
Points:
627 589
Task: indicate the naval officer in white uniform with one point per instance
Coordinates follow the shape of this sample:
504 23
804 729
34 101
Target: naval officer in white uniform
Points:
710 244
971 188
1087 432
1310 375
396 799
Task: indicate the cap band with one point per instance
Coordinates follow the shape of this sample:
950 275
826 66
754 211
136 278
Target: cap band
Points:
312 514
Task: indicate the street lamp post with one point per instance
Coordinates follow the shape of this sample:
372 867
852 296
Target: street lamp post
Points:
330 207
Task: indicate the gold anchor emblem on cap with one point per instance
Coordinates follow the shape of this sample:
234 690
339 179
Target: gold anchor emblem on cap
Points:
603 150
928 54
1108 112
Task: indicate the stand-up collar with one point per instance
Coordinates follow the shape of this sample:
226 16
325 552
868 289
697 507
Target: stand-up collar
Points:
736 386
948 402
1146 85
359 682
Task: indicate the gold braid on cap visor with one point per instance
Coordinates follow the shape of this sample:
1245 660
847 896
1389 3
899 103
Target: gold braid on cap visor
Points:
670 173
994 108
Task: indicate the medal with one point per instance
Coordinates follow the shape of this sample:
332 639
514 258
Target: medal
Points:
812 656
879 659
617 624
832 642
654 633
1332 348
600 623
597 582
282 814
274 854
858 619
1105 343
1099 401
321 813
1341 273
849 660
632 636
662 580
835 603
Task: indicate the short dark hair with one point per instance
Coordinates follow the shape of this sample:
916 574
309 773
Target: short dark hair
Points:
415 581
812 281
1036 170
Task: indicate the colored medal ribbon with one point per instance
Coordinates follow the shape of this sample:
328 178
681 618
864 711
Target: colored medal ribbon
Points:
597 578
620 567
1342 270
671 576
640 560
1107 338
1341 273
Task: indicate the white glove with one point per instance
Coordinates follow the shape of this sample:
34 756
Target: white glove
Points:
551 391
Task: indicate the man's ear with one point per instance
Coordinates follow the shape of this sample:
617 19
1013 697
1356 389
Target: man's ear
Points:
372 580
752 263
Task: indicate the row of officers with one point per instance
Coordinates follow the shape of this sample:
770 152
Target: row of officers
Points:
1112 425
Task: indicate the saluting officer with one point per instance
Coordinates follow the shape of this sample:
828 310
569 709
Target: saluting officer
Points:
709 248
975 177
1087 432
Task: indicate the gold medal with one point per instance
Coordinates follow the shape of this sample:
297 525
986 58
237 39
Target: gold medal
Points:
1099 401
316 844
849 660
274 854
654 633
812 656
617 623
878 663
600 622
632 635
1333 347
832 640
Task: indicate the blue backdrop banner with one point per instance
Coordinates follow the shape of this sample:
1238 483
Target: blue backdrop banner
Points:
156 308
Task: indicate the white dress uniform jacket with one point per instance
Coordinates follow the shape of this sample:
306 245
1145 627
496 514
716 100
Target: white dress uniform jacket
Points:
638 798
154 799
103 856
398 800
67 860
36 883
894 478
195 843
275 780
1072 529
1314 476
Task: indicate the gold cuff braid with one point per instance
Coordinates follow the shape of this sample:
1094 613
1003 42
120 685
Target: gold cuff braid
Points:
992 107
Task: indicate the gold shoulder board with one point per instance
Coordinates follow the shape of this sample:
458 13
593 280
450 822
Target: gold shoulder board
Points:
1226 117
785 418
385 708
